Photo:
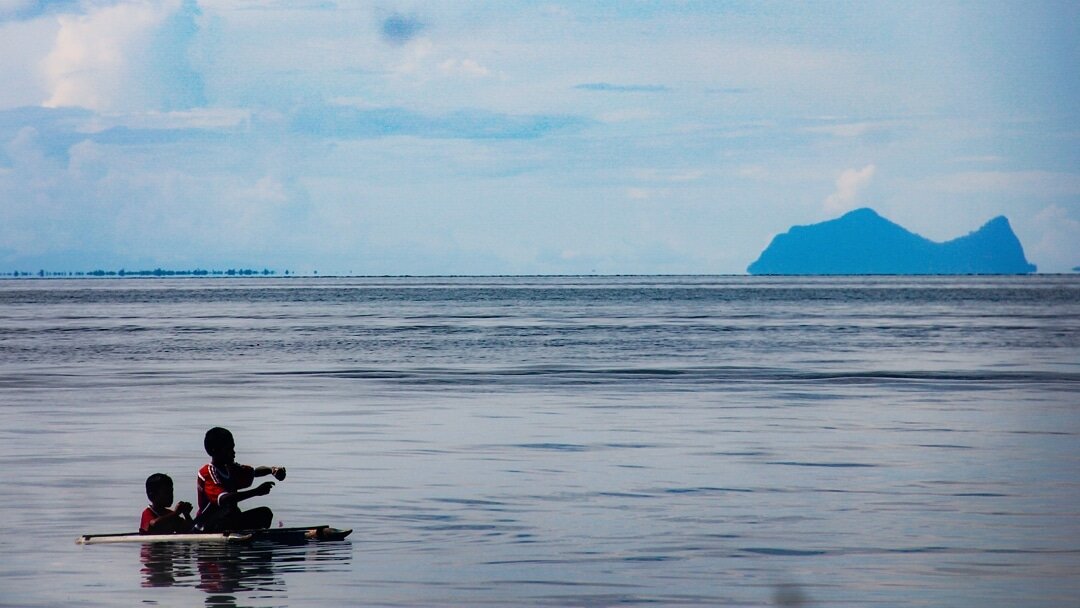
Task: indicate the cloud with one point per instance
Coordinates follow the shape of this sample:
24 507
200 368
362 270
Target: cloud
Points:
1042 183
195 118
268 189
977 159
622 88
29 9
854 129
1057 248
398 29
673 176
57 129
16 8
464 67
415 58
358 123
727 90
24 149
754 172
626 115
130 56
102 201
129 136
848 186
34 187
87 161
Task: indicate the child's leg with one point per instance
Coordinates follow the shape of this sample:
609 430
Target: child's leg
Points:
255 519
214 520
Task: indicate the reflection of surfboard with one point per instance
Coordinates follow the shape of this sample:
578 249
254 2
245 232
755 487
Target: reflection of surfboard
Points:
281 535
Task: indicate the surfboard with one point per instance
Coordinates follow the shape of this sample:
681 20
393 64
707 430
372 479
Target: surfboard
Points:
135 537
295 534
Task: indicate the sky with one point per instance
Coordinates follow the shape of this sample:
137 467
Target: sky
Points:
506 137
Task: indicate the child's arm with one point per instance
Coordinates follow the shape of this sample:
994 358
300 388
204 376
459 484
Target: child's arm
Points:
234 497
263 488
277 472
167 522
186 523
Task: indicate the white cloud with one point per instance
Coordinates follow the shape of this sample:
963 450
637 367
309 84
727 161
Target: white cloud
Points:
12 8
1043 183
417 53
195 118
268 190
754 172
23 44
90 61
848 186
464 67
554 10
854 129
87 161
977 159
28 155
129 56
353 101
33 220
674 176
421 60
626 115
1058 246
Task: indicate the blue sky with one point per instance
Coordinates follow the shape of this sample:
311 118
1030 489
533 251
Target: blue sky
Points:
524 137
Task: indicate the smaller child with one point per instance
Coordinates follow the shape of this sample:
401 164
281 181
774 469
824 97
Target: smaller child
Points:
158 518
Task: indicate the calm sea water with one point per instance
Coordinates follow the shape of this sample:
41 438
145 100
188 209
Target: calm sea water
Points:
700 441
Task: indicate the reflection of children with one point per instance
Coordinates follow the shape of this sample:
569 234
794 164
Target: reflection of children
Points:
159 563
220 486
158 518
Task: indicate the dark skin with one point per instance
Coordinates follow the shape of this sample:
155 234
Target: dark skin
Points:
177 519
225 455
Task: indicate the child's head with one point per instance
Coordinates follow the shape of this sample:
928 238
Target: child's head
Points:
159 489
219 445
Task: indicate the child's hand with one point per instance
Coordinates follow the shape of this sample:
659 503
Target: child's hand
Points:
264 488
278 472
183 508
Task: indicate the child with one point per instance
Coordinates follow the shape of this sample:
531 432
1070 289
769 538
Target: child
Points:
220 486
158 518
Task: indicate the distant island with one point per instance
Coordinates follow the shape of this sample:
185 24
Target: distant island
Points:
863 242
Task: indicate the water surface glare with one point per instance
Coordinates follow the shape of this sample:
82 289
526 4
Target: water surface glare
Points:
563 441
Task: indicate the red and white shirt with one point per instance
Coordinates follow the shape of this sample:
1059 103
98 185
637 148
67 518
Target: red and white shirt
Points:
149 514
215 483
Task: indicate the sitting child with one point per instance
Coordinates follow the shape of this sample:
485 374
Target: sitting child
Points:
220 485
158 518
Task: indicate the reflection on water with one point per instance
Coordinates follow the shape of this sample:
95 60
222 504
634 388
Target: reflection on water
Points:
163 563
225 570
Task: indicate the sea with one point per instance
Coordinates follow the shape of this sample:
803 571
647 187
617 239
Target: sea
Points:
552 441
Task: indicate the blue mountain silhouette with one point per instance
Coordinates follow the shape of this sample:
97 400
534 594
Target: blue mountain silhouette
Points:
863 242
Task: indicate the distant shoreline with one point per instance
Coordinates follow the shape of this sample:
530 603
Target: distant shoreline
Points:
270 274
155 273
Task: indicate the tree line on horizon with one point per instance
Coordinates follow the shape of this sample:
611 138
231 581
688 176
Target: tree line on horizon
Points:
157 272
